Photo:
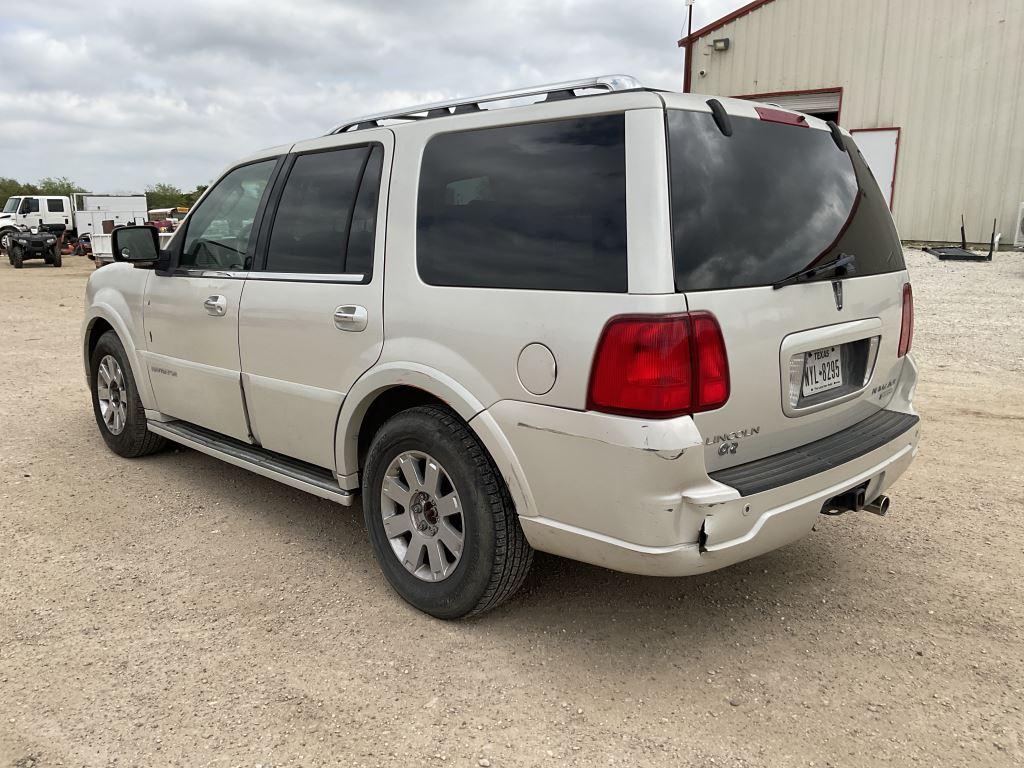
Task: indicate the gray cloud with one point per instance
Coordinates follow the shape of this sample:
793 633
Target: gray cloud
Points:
116 98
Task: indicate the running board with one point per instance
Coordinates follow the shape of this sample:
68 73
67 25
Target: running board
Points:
298 474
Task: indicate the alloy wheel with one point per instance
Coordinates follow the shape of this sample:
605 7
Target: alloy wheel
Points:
112 394
422 516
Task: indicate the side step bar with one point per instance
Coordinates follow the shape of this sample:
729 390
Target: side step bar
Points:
298 474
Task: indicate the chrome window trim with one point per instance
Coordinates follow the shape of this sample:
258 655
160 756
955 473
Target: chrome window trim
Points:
284 277
239 274
308 277
233 274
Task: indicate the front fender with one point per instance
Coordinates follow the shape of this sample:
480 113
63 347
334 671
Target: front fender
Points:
116 297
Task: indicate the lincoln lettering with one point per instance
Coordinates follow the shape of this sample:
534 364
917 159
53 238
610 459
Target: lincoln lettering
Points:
732 436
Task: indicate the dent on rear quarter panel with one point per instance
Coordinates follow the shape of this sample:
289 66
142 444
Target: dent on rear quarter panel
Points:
611 475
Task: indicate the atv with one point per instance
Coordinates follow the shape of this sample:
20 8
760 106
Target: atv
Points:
33 243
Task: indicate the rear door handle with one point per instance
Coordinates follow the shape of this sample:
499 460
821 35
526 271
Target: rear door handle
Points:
350 318
216 306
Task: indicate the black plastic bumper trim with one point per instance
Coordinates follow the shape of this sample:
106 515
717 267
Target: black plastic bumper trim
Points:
821 455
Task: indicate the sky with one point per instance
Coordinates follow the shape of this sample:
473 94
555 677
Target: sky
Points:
118 95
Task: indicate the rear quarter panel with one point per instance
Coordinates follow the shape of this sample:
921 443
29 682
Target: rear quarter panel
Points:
475 335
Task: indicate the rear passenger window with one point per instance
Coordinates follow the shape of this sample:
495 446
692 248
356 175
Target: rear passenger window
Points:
540 206
55 206
359 257
326 219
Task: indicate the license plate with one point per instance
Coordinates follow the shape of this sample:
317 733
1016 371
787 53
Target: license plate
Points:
823 370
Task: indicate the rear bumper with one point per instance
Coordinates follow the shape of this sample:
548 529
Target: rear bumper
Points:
635 497
735 530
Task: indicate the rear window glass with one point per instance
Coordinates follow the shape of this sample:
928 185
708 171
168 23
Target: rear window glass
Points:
55 206
772 199
540 206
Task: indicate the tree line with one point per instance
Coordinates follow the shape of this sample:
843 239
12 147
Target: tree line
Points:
157 195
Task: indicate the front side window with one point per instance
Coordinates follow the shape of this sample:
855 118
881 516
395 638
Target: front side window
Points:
55 206
539 206
12 205
327 216
29 205
220 228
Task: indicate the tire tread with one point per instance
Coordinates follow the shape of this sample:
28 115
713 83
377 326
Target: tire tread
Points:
141 441
513 554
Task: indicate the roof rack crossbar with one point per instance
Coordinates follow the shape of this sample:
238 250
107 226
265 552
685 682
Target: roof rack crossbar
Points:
608 83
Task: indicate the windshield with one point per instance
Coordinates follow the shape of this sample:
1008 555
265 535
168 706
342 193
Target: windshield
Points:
12 204
771 200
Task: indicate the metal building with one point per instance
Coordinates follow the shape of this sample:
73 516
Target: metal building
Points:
933 89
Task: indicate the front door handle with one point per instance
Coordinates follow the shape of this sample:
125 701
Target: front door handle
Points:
216 306
350 318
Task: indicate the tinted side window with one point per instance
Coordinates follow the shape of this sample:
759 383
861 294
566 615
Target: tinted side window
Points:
539 206
55 206
30 205
362 233
219 229
323 213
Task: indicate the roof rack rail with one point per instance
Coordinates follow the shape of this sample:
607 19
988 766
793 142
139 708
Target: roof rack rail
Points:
554 91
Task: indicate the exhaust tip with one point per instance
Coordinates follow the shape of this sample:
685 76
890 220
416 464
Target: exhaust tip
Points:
879 506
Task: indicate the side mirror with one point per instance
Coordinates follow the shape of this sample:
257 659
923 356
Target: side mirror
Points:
136 244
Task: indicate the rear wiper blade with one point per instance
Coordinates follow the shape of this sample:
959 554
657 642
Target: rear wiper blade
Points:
844 261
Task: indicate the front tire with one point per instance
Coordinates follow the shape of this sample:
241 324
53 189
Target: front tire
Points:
442 524
115 401
56 260
17 256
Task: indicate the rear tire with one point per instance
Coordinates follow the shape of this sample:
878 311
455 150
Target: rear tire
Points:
494 556
115 401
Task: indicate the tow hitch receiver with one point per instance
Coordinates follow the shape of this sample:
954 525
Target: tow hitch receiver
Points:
853 501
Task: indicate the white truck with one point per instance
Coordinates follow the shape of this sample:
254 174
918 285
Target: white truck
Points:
81 213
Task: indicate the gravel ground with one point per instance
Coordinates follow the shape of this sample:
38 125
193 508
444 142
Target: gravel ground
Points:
176 610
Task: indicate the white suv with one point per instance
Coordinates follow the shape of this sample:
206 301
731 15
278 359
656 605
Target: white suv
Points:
652 331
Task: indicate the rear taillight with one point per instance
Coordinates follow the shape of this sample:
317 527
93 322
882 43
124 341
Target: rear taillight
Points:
659 366
907 326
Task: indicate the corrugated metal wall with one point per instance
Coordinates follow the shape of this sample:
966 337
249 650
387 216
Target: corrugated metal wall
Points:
949 73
